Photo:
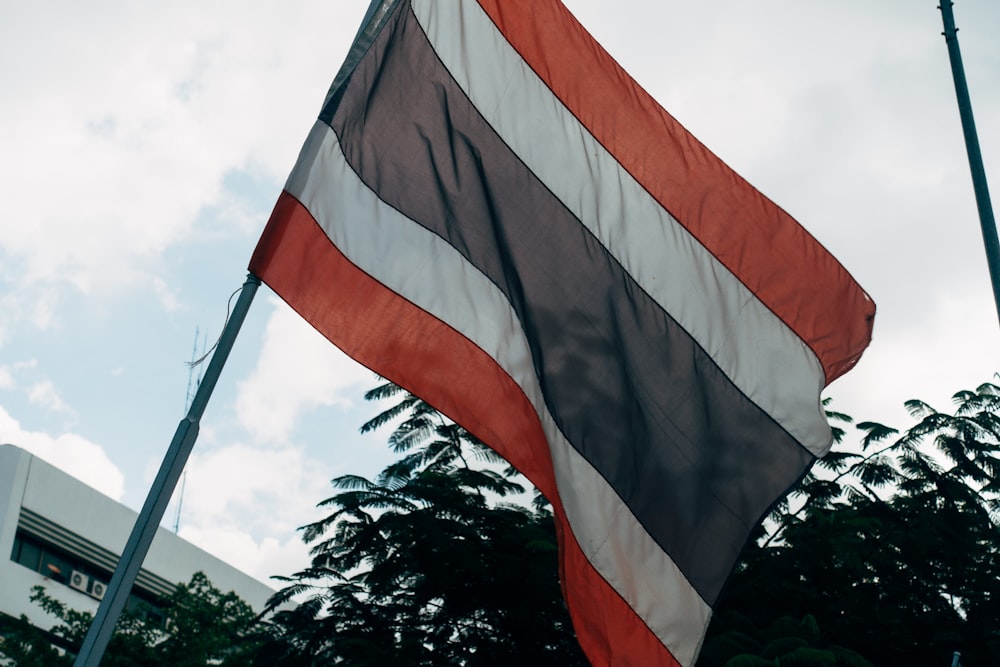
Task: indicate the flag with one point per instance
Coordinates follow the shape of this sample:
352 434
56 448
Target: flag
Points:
492 214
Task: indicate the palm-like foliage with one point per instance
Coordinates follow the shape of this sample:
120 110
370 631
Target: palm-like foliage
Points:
427 564
894 549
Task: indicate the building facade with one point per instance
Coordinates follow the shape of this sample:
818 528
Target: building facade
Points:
57 532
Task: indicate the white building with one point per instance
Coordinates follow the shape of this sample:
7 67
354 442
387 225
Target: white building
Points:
59 533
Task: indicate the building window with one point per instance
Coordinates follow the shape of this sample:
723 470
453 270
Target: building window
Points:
27 553
58 565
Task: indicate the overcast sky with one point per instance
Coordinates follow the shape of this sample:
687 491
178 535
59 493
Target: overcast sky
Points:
143 144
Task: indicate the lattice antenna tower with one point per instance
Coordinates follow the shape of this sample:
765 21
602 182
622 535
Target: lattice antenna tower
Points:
192 387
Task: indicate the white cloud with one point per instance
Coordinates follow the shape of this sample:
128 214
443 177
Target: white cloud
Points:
938 368
45 394
262 559
284 476
166 295
69 452
225 490
297 370
143 112
35 306
6 378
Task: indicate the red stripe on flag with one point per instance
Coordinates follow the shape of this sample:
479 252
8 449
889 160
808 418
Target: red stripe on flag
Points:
778 260
410 347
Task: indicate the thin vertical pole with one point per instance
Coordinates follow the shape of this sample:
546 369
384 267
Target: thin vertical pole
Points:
163 486
986 220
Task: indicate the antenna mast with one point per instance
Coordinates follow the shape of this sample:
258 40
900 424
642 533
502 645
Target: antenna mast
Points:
192 386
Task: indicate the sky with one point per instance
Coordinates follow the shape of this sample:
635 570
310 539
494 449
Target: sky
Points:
142 146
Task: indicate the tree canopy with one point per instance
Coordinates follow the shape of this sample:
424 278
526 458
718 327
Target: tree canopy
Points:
893 551
429 563
200 626
886 555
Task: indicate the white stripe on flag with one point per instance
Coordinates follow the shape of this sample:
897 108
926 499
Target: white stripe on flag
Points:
395 251
747 341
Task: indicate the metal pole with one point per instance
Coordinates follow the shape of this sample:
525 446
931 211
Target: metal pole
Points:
986 219
163 486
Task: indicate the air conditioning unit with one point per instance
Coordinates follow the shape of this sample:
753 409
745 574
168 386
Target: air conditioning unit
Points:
97 590
79 581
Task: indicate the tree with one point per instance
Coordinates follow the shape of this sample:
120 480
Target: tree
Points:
893 551
24 645
203 626
428 564
887 555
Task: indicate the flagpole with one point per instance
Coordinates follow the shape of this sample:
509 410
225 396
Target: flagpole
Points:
163 486
986 220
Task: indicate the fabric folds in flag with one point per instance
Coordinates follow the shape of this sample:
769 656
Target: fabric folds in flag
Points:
492 214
